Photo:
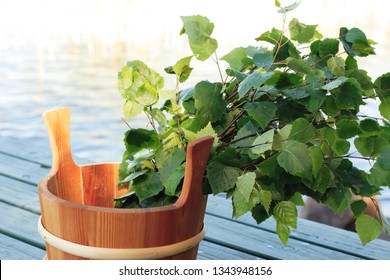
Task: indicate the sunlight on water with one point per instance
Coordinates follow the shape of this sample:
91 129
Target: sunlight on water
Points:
67 53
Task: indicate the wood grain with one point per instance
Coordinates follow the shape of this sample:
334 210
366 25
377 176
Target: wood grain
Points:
76 201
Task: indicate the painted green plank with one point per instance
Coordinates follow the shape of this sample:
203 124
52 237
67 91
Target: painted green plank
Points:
265 244
26 150
309 232
22 170
34 152
13 249
211 251
20 224
19 194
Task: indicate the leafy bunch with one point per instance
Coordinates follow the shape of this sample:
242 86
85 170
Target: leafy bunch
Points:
286 120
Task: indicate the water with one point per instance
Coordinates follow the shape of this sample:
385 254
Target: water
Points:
67 54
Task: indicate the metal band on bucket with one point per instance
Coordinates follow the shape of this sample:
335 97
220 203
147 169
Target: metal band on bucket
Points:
99 253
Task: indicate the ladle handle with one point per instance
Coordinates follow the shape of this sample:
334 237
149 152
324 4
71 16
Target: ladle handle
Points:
58 127
66 174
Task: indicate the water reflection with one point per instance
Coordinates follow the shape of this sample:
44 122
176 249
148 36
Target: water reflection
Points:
68 53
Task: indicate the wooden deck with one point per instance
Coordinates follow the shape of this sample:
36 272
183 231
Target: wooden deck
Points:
23 164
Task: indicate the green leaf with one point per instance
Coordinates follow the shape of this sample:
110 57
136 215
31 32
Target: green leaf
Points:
286 212
349 95
266 199
298 65
355 42
269 167
288 80
168 160
199 29
358 207
338 199
365 145
281 137
329 106
296 160
384 107
315 100
283 232
261 112
254 80
138 83
173 181
259 213
289 7
336 65
263 143
238 59
159 116
368 228
370 126
347 128
364 80
243 133
317 159
300 32
297 199
283 47
208 130
302 130
209 102
245 184
182 68
341 146
335 84
384 158
241 205
263 60
382 85
132 109
221 177
328 47
132 176
228 157
149 187
378 176
297 93
138 139
322 180
351 63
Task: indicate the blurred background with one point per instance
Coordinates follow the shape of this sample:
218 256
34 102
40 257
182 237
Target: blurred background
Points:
68 53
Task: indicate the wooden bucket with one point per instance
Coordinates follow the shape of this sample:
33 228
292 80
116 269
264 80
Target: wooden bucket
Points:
79 220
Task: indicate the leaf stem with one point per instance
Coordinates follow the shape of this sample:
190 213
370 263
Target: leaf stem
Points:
126 122
150 118
216 60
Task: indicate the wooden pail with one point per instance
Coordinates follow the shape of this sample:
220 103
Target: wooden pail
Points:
79 220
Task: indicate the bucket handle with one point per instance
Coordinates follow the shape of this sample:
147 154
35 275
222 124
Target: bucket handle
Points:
58 127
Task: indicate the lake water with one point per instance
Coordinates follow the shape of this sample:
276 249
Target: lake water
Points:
67 54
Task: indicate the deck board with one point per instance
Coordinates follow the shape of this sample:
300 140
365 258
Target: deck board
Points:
22 166
311 232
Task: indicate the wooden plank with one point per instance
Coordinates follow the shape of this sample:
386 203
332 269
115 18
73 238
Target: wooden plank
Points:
24 149
19 169
25 230
13 249
33 152
20 224
309 232
264 244
19 194
211 251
